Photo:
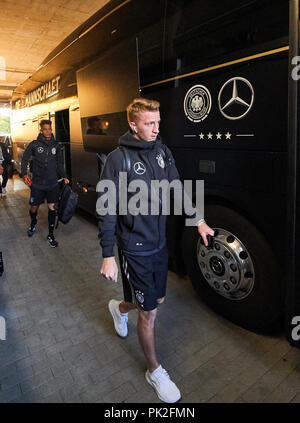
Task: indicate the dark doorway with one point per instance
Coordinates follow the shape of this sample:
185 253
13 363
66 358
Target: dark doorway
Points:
62 131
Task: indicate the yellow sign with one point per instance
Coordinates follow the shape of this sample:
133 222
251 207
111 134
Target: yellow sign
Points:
43 92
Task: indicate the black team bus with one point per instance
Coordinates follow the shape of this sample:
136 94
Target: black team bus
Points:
226 75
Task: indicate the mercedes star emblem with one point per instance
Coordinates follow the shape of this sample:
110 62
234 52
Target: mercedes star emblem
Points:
139 168
242 105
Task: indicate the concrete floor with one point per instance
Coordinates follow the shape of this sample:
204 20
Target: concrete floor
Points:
61 346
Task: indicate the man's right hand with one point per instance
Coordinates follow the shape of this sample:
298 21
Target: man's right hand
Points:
1 169
109 269
27 180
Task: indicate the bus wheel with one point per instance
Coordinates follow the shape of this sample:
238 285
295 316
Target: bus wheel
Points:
238 277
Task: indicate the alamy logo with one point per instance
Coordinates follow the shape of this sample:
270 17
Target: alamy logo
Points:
154 199
296 330
296 68
40 150
2 329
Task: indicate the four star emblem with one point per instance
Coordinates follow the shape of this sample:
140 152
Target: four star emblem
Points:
218 136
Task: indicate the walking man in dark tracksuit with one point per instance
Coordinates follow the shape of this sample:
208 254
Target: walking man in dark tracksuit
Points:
47 169
5 160
141 238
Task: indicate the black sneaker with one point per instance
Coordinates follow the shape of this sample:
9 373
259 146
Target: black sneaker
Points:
31 230
52 242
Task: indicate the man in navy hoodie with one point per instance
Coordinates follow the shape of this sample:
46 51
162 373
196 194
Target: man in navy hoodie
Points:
140 238
48 167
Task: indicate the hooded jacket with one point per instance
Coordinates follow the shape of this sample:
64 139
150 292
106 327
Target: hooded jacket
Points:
136 234
47 161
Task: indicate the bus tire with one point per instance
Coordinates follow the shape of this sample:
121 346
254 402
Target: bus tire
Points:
256 302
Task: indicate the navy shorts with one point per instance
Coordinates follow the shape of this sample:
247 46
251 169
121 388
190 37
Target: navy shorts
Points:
38 196
144 278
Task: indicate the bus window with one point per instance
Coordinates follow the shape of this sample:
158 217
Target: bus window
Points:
105 87
150 46
220 29
62 130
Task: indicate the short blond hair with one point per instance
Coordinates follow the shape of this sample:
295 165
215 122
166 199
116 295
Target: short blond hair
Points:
141 105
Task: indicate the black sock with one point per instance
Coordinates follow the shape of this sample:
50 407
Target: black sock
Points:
1 264
33 218
51 221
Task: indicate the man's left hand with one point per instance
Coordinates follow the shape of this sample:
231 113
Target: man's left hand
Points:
66 180
205 230
1 169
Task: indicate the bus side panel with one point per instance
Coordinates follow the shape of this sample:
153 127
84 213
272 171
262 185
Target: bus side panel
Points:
85 174
263 126
258 193
84 165
242 161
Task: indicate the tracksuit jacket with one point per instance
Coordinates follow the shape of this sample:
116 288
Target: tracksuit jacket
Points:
47 161
141 234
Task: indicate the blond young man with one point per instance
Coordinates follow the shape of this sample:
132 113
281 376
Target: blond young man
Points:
141 239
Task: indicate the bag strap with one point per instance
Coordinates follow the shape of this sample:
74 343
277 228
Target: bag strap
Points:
126 159
60 191
101 157
126 165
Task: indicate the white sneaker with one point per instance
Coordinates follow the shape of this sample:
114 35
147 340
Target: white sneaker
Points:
3 192
165 389
120 320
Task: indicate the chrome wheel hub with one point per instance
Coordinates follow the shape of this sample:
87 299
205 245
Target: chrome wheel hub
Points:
227 267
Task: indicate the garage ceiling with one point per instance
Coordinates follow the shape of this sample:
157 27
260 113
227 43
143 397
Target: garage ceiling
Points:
30 30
